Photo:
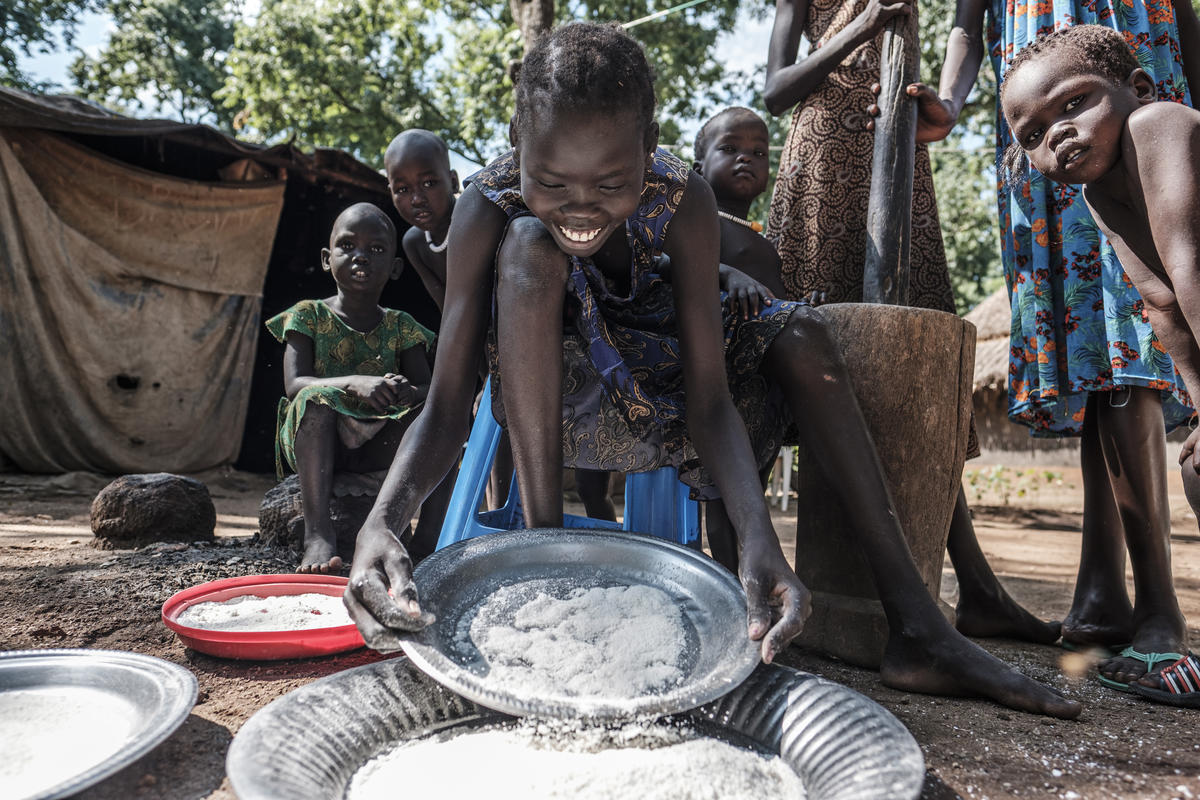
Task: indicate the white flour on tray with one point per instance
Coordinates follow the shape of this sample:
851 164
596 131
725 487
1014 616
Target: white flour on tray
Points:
519 763
614 642
285 612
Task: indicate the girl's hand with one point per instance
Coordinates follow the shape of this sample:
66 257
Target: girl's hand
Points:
878 12
777 601
935 117
745 293
381 596
1189 450
377 391
407 394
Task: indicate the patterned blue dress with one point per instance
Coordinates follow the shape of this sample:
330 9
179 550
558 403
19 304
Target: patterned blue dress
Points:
1078 325
623 399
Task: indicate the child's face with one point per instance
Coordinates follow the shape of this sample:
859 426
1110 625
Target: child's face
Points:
362 254
1069 122
582 175
422 186
735 161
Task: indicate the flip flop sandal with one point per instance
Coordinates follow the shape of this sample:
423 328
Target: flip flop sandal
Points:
1149 659
1177 685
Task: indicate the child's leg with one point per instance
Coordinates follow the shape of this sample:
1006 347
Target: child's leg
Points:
433 514
1100 612
315 447
924 652
722 538
531 275
1135 452
592 485
985 608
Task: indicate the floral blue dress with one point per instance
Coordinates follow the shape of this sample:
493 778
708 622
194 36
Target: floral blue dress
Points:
1078 325
623 400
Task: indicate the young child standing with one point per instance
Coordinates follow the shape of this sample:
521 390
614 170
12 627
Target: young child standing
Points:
601 361
354 373
1083 111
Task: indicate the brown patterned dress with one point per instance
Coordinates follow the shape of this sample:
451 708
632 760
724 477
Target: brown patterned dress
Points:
818 213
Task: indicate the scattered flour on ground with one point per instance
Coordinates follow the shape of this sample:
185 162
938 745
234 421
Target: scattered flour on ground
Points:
52 735
286 612
648 762
617 642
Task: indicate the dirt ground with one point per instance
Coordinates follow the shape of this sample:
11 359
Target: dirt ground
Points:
58 591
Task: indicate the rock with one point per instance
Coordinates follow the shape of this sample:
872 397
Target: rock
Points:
281 514
136 510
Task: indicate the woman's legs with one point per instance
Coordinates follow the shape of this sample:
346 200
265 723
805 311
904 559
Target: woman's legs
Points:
984 607
1101 614
1134 445
531 277
315 448
924 652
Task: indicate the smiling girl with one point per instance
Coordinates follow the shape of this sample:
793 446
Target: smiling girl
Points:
602 363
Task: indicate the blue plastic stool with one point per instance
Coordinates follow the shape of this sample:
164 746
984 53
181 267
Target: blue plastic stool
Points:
655 502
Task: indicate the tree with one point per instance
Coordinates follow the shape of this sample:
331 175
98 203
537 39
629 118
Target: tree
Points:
35 26
165 56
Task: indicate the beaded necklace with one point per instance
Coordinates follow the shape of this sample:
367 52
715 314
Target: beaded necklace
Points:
754 226
437 248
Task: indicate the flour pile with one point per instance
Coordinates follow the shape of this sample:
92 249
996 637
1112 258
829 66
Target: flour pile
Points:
648 762
51 735
287 612
544 637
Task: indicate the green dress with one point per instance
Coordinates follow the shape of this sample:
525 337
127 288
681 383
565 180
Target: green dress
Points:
338 351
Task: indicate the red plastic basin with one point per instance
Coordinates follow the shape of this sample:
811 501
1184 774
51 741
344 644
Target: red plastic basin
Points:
262 645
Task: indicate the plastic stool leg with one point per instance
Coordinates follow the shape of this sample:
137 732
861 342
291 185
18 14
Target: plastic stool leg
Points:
658 504
787 453
471 483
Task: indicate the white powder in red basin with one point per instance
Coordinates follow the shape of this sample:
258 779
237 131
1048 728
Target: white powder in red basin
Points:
285 612
615 642
519 763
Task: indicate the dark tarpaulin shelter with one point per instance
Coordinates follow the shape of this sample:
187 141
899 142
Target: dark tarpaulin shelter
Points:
138 259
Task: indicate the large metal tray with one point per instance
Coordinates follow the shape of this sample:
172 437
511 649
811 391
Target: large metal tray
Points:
69 718
453 582
308 744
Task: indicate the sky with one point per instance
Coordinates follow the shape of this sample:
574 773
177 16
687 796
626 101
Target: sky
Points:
745 49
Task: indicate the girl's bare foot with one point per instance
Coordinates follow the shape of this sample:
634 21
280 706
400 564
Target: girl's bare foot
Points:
945 663
1001 616
320 554
1098 625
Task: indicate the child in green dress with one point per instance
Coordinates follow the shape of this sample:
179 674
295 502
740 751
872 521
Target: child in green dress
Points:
354 374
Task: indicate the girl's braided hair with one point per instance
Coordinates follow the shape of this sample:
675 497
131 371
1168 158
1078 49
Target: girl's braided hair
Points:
583 66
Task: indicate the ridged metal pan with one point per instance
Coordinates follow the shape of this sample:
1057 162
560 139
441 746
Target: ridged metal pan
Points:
83 715
454 581
308 744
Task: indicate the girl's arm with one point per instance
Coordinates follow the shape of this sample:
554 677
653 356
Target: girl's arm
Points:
412 384
298 374
414 244
715 427
433 443
790 81
1189 44
1161 137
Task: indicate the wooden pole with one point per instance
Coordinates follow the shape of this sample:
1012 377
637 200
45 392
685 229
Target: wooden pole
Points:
889 209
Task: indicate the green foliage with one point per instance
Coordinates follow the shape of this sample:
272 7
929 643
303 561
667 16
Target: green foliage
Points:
165 56
35 26
998 485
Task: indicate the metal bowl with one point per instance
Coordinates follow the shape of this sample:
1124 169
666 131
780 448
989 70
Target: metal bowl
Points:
93 711
454 581
308 744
